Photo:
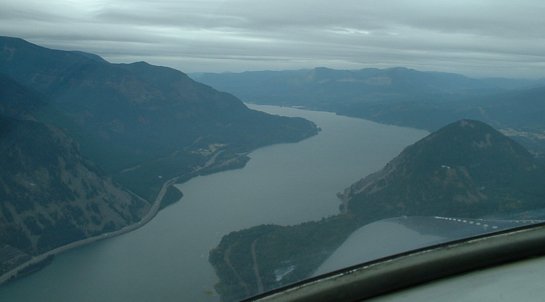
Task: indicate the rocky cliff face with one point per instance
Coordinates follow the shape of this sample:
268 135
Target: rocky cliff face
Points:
80 138
139 110
49 195
138 121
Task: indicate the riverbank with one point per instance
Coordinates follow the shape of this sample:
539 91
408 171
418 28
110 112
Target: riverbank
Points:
167 260
213 165
13 274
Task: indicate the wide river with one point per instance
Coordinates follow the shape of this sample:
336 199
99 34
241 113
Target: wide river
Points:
167 259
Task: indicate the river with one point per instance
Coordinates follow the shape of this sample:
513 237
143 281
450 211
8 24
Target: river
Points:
167 259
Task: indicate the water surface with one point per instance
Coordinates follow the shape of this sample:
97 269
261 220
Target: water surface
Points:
167 259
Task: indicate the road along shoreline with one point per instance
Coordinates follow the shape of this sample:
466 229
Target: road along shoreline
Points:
154 209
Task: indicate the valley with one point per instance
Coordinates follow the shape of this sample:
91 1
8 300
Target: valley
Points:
91 147
177 242
465 169
220 151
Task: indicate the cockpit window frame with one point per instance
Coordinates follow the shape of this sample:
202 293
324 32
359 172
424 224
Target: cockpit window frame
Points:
413 268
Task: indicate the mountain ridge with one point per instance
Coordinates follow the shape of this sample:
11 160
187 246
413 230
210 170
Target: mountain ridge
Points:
91 149
400 96
466 167
128 116
49 194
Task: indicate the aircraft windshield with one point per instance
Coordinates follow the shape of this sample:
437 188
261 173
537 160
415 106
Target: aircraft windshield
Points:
214 150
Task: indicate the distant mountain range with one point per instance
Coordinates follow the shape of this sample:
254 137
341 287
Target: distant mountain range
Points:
465 169
400 96
87 145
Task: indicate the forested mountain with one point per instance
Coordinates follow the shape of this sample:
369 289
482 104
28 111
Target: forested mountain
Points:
400 96
49 194
87 146
465 169
138 121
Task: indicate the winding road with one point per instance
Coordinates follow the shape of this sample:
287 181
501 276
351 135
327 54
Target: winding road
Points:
147 218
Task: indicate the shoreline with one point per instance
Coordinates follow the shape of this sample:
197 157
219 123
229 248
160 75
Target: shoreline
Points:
315 109
537 140
154 209
213 165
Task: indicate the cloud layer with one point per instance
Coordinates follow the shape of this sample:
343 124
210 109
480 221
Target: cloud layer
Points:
477 38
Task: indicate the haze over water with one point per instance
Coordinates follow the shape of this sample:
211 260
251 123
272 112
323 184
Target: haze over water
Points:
167 260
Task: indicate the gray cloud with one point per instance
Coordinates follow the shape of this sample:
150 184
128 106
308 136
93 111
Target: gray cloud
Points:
478 38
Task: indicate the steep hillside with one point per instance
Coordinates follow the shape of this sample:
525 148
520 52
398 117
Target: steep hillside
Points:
466 169
87 145
319 86
142 123
49 195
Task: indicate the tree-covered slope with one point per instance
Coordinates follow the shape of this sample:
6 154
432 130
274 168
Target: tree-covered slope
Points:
466 169
49 194
138 122
86 146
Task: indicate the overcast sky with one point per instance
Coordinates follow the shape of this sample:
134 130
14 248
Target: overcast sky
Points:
476 38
